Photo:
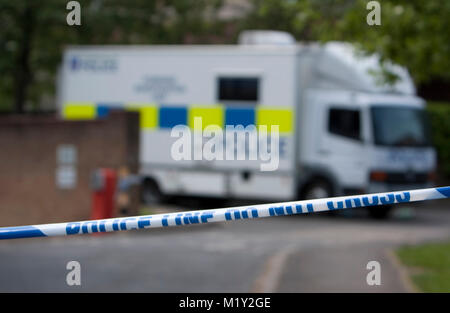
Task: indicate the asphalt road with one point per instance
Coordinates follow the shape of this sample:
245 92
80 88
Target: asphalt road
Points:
304 253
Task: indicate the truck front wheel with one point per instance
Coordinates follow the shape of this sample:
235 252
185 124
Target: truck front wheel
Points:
316 190
151 194
379 212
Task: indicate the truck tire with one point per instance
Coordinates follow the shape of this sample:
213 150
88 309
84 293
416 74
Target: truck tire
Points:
151 194
379 212
317 189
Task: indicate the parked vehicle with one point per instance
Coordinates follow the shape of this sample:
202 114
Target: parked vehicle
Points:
342 129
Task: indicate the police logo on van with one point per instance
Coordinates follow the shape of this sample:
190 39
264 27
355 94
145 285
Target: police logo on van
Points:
159 87
93 64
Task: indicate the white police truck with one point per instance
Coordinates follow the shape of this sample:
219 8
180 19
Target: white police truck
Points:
342 129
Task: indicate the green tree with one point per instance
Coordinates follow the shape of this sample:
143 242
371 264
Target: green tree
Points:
413 33
33 35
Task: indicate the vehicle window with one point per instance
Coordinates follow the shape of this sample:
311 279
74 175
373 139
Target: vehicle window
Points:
400 126
238 89
344 122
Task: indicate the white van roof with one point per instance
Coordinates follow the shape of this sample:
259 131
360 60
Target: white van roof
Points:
337 64
340 64
334 65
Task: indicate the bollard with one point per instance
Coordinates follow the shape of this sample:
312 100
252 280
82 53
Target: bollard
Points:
104 186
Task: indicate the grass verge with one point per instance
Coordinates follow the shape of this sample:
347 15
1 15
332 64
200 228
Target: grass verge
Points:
428 265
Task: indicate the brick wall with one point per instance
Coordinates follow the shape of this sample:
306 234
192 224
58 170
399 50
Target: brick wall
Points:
28 163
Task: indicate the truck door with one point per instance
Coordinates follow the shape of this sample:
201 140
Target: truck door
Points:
342 145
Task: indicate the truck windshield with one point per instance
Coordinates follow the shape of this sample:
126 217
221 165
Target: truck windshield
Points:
400 126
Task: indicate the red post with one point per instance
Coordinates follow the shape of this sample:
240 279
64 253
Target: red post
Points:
104 185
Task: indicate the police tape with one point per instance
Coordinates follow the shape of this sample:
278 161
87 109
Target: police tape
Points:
225 214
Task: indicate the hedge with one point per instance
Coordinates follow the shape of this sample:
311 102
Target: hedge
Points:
439 113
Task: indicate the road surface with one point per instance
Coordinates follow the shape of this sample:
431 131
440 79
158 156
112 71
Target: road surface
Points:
306 253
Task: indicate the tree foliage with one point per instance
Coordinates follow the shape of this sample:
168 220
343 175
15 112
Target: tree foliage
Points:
34 33
413 33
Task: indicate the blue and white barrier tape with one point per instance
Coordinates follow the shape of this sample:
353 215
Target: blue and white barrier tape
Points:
225 214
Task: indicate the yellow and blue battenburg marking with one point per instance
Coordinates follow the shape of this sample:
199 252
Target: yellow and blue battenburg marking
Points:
154 116
80 111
